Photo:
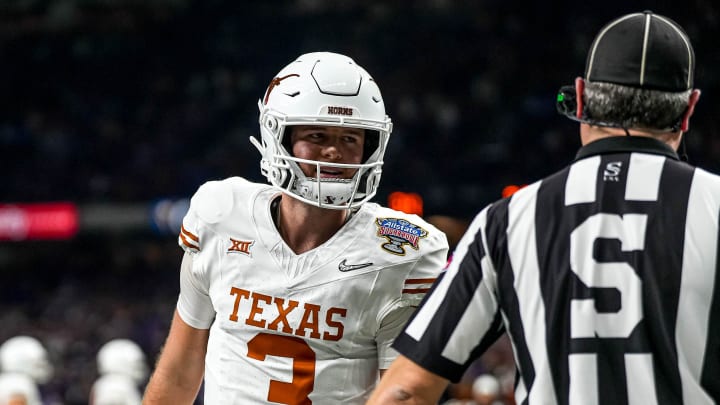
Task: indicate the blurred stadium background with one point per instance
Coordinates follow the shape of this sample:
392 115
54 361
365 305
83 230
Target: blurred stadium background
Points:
112 113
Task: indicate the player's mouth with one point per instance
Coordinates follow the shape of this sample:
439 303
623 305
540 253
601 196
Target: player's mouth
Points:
331 174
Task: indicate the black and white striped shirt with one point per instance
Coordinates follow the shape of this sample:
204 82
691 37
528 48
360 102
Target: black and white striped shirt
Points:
603 274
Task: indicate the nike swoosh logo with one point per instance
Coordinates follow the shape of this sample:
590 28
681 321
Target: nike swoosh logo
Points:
343 266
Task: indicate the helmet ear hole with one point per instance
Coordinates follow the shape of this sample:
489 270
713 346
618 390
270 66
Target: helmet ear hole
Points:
280 177
286 140
372 142
271 123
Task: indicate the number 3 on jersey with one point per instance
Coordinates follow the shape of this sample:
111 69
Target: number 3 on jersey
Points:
587 322
303 374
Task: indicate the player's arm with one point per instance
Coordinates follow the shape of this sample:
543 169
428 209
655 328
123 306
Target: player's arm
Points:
423 371
391 326
417 282
179 371
406 383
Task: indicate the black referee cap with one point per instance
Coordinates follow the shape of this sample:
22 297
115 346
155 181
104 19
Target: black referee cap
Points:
643 50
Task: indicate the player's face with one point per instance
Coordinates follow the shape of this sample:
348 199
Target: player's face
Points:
327 144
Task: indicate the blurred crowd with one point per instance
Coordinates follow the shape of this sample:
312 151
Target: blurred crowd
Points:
25 365
127 100
117 101
77 295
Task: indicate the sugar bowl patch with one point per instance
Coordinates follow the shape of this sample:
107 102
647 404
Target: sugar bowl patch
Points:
398 233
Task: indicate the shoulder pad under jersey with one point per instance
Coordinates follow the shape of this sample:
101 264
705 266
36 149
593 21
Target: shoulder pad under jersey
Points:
211 204
214 200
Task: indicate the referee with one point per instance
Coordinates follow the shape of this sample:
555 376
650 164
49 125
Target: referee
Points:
604 274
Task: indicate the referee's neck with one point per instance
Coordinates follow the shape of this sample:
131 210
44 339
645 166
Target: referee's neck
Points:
589 133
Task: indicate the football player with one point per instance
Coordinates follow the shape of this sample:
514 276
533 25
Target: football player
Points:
25 364
18 389
123 369
115 389
26 355
123 356
292 292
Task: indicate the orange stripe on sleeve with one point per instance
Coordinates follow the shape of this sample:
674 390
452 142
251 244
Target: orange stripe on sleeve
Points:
420 280
187 243
415 290
189 234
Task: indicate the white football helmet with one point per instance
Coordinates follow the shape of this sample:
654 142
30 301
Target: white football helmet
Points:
115 389
122 356
327 89
19 387
26 355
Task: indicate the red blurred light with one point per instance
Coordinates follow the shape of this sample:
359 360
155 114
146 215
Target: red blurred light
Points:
409 203
40 221
511 189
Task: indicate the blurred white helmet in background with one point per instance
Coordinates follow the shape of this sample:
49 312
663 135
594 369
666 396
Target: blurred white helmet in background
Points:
322 89
115 389
26 355
122 356
18 387
486 384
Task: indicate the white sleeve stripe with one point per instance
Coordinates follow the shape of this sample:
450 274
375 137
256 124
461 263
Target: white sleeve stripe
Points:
696 286
417 327
522 249
477 319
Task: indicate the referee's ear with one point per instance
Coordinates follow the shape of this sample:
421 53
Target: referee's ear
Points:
692 101
579 89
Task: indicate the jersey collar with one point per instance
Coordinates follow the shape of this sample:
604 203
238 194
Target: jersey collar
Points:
617 144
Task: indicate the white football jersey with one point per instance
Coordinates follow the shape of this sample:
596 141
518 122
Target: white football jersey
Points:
299 329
